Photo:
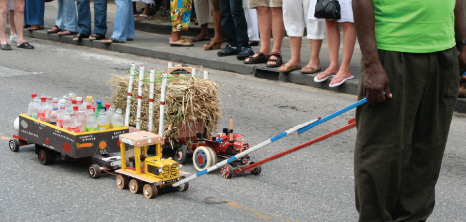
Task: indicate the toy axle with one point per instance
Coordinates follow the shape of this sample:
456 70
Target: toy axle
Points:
351 124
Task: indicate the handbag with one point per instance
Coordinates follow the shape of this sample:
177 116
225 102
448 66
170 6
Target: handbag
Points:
327 9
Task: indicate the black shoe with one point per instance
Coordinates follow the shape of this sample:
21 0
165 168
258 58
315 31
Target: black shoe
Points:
244 53
227 51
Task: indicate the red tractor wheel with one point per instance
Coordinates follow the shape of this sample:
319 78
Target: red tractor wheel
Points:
226 171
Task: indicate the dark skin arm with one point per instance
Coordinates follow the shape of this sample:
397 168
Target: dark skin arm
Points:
376 85
460 33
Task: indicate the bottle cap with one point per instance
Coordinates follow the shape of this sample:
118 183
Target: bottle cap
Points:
107 105
33 95
75 107
89 106
43 98
79 99
99 101
89 98
73 101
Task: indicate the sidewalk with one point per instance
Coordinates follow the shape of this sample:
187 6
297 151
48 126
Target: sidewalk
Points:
151 40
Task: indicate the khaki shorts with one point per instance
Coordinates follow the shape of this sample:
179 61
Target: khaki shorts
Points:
265 3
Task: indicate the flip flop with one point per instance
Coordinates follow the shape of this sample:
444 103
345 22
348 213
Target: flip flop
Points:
55 29
313 70
142 17
342 81
327 75
181 43
97 36
288 68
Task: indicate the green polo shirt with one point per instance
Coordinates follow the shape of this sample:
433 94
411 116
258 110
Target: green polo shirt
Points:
415 26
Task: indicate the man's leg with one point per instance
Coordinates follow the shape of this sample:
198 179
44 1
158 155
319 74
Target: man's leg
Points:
227 21
84 16
100 17
239 21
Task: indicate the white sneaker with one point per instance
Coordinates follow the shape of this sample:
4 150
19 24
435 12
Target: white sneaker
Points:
13 38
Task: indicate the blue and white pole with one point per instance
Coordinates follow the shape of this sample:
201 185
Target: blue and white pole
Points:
244 153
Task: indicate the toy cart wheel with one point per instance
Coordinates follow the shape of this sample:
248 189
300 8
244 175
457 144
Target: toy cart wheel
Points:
122 181
135 186
14 145
180 154
183 187
45 156
257 170
149 190
226 171
214 156
94 171
202 158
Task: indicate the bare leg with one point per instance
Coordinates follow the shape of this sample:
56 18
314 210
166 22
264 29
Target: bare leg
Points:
278 30
349 40
19 19
295 45
265 25
135 11
204 35
333 41
314 61
218 37
12 22
3 14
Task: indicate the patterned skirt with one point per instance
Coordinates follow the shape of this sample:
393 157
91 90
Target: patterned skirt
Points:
180 14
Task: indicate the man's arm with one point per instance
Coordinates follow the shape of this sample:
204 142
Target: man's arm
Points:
376 81
460 33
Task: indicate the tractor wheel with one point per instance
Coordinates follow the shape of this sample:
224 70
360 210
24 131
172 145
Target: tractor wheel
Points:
94 171
203 158
214 156
180 155
45 156
226 171
14 145
121 181
257 170
149 190
135 186
183 187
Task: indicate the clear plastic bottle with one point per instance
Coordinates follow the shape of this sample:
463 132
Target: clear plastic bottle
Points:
54 113
31 105
99 107
79 102
41 110
35 107
76 125
67 120
61 113
117 119
91 121
102 121
81 116
110 111
89 101
48 108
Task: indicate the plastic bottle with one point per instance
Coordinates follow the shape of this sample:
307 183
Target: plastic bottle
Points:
89 101
72 95
54 113
91 121
35 107
81 116
102 121
31 105
67 120
48 108
99 107
109 111
61 113
117 119
79 102
41 110
76 125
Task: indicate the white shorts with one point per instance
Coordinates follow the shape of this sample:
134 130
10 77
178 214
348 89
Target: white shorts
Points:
295 18
346 11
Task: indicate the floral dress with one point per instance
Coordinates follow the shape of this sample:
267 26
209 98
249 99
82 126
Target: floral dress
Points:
180 14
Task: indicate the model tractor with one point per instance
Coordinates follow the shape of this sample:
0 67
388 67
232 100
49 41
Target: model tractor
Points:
227 144
142 173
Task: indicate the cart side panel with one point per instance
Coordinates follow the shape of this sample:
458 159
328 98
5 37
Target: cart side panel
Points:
99 143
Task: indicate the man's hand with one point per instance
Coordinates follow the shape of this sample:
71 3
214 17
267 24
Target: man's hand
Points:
376 85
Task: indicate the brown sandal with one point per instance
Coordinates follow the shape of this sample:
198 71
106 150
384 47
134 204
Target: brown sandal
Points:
256 59
55 29
278 61
213 45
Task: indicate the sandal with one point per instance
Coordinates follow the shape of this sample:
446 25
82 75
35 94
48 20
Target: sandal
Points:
344 78
278 61
129 39
142 17
181 43
313 70
288 68
66 32
35 27
79 37
97 36
55 29
257 58
112 40
213 45
25 45
326 76
5 46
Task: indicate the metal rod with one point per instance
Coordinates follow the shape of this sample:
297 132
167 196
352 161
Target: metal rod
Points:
138 114
151 98
162 102
130 89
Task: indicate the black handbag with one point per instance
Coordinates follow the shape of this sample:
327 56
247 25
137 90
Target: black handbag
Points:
327 9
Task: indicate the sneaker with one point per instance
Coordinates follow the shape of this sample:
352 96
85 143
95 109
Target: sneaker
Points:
228 50
13 38
244 53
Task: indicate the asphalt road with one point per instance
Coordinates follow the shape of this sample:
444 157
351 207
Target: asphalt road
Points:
313 184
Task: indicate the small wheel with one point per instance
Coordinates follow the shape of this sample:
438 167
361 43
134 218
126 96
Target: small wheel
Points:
135 186
14 145
121 181
202 158
257 170
180 154
94 171
183 187
214 156
45 156
226 171
149 190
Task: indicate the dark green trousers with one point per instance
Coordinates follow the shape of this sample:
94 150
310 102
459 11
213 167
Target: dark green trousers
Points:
400 143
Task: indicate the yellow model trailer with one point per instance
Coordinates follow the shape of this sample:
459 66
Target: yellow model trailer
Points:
142 173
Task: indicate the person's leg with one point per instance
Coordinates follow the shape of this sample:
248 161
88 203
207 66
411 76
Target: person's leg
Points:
227 21
293 18
100 17
349 40
84 17
315 34
35 14
333 41
180 21
265 24
19 20
12 23
3 15
202 12
278 32
121 19
69 17
217 18
251 20
59 21
130 31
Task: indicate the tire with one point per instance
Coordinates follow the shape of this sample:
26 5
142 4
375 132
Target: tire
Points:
94 171
203 158
149 190
257 170
122 182
135 186
180 155
183 187
45 156
14 145
214 156
226 171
